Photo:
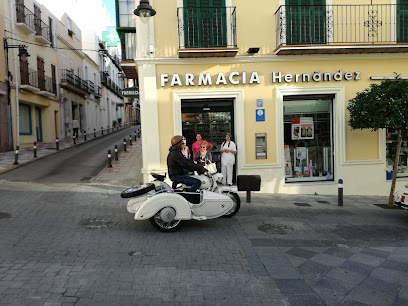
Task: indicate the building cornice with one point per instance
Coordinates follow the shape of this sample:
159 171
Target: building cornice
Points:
261 59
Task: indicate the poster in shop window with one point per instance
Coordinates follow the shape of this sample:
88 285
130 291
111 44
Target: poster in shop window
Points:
288 163
302 128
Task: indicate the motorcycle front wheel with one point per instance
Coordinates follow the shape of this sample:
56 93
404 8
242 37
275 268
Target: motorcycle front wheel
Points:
162 225
235 207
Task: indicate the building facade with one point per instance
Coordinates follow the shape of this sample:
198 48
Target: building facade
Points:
35 108
5 143
278 75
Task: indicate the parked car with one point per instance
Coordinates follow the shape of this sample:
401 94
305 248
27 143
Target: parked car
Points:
402 199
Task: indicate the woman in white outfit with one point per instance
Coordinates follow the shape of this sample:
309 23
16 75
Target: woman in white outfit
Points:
228 151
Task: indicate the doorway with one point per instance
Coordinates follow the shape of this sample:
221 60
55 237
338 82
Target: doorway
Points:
213 118
38 124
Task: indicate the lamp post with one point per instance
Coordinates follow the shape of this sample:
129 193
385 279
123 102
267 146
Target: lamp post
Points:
23 54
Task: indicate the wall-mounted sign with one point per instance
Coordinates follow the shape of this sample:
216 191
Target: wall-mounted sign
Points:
130 92
259 102
316 77
260 114
111 36
189 79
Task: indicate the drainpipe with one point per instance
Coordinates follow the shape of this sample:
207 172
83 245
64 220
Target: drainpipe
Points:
16 76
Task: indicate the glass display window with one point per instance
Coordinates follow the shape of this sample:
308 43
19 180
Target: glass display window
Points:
308 140
391 151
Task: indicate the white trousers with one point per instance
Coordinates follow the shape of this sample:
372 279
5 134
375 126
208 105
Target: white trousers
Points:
226 171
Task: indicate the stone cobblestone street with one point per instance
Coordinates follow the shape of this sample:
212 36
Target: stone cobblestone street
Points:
77 245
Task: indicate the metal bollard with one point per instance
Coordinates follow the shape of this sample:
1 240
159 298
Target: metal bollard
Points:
135 137
116 152
130 140
16 156
102 130
124 144
35 149
85 136
74 138
57 143
94 133
117 127
139 134
109 159
340 193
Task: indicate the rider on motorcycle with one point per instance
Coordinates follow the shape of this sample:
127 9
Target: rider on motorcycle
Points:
177 165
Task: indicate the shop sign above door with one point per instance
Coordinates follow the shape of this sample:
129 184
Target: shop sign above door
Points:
130 92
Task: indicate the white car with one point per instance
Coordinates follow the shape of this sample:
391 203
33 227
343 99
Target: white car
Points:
402 200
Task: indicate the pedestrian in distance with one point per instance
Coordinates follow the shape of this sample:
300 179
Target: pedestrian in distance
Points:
228 150
75 127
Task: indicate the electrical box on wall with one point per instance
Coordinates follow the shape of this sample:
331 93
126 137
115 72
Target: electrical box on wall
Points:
260 144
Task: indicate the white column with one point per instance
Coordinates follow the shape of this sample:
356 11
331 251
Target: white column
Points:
149 119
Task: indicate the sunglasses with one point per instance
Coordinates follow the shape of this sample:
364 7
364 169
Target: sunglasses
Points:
204 147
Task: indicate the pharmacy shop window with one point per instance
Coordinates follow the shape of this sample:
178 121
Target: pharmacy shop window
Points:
308 139
391 150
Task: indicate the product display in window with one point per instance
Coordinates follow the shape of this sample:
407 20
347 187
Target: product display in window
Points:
308 140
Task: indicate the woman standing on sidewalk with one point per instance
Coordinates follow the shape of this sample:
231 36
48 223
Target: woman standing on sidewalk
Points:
197 144
228 151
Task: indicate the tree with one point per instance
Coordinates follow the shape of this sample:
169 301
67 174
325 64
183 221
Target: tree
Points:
382 106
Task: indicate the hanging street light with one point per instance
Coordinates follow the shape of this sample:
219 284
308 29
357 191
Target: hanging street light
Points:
144 11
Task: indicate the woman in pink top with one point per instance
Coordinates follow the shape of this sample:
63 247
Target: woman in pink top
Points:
197 145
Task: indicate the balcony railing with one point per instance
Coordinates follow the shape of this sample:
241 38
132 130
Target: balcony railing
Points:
341 24
207 27
24 15
85 85
67 76
50 85
42 29
28 76
41 82
98 91
91 87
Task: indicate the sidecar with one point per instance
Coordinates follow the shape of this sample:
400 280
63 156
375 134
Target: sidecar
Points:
166 209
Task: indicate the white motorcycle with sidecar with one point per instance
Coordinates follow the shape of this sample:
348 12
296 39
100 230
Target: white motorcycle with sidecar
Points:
167 207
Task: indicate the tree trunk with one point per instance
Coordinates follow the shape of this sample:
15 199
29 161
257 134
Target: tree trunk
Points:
394 176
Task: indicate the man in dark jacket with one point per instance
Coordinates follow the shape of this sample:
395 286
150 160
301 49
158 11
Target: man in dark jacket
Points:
177 165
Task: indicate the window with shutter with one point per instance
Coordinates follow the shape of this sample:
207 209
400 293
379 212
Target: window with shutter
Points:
402 21
20 11
37 19
41 73
205 23
306 22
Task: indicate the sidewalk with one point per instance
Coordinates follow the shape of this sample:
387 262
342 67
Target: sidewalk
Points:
126 171
26 154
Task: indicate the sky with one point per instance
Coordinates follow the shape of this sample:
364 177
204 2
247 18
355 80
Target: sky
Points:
110 7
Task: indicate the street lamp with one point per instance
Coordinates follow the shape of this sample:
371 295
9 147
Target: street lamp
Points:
23 54
144 11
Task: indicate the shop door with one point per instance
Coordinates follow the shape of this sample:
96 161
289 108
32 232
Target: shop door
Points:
38 124
213 118
305 22
205 23
402 21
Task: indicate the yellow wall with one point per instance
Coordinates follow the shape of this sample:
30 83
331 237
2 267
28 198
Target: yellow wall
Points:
360 145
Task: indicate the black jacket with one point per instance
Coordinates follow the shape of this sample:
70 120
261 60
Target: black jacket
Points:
177 164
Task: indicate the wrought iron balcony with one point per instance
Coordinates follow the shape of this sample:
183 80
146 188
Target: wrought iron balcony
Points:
25 18
28 78
207 28
341 28
42 31
50 86
72 82
91 87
